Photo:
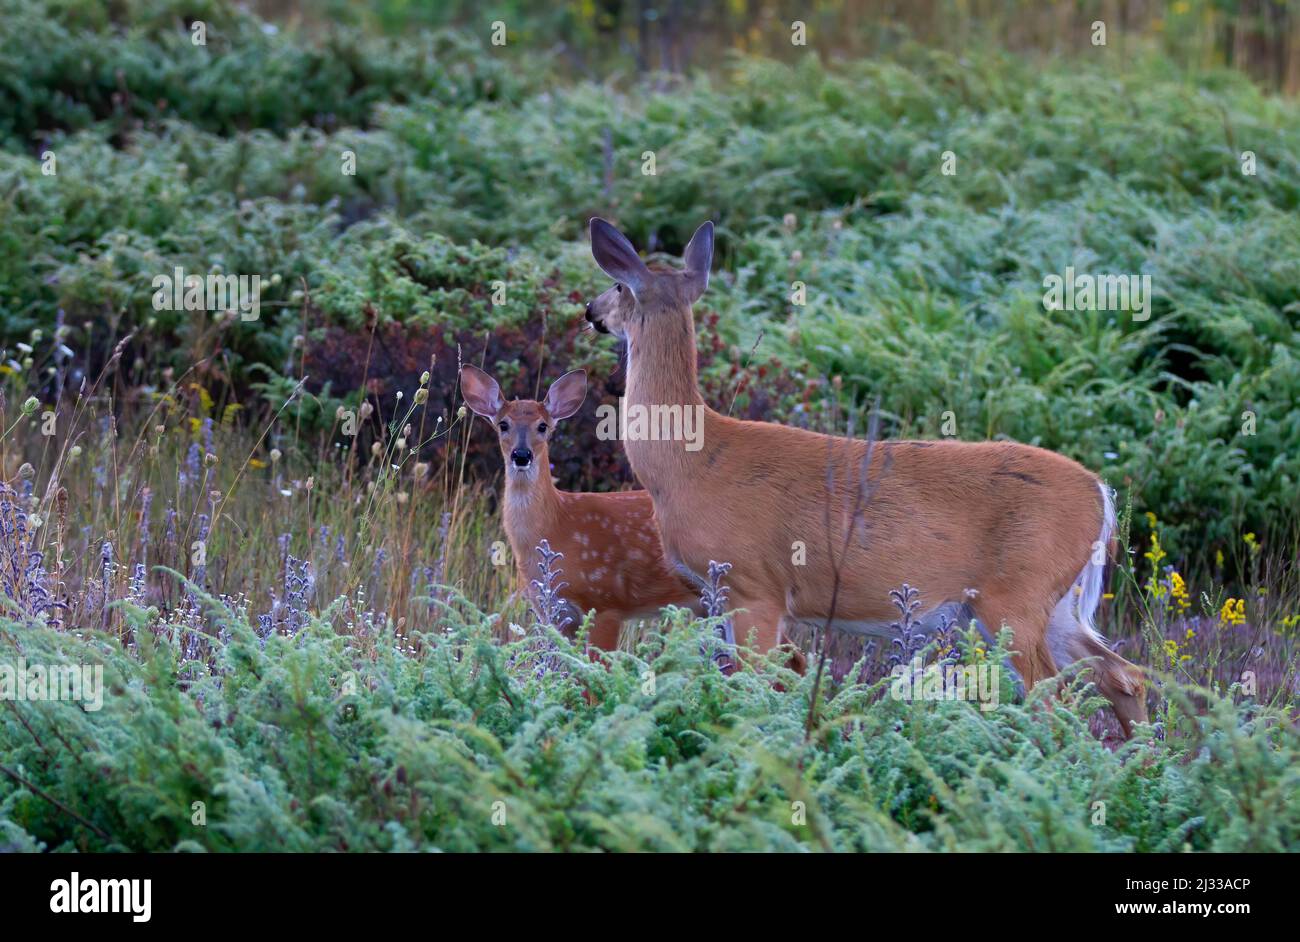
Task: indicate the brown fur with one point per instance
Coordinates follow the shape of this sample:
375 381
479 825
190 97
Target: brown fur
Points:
1008 527
613 560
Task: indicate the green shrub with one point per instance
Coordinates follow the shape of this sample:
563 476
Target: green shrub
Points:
307 742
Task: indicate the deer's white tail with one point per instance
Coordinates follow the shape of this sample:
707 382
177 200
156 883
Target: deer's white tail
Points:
1090 581
1072 634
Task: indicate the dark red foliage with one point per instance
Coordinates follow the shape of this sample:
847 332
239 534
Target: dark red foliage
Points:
396 355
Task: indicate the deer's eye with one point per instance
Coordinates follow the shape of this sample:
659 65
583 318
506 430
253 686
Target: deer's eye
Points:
504 426
541 428
618 288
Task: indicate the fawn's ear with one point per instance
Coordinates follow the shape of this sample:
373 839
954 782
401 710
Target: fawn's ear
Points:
698 258
566 394
616 256
481 392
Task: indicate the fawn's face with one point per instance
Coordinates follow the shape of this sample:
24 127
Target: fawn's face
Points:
524 426
639 294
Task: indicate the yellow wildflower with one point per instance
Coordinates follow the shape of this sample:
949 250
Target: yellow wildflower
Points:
205 397
1174 654
1179 592
1155 554
1233 612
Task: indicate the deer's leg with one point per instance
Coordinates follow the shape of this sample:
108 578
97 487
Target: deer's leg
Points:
760 626
603 637
604 632
1028 623
798 661
757 623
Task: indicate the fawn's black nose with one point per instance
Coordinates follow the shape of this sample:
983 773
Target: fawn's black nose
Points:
522 457
589 317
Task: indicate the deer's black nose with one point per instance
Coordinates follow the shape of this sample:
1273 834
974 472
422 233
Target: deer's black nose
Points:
589 310
522 457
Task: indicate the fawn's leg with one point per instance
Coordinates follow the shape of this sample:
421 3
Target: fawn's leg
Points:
604 632
603 637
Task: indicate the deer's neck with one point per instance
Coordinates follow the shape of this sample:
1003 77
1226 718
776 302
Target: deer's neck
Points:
662 381
532 510
661 366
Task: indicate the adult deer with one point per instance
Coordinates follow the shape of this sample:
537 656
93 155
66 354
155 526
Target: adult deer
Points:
1018 533
613 560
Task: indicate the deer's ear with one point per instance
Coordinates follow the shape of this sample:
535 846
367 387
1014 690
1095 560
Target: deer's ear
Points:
698 258
481 392
616 256
566 394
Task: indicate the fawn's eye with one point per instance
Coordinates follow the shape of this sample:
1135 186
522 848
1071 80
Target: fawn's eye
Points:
541 428
618 288
504 426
